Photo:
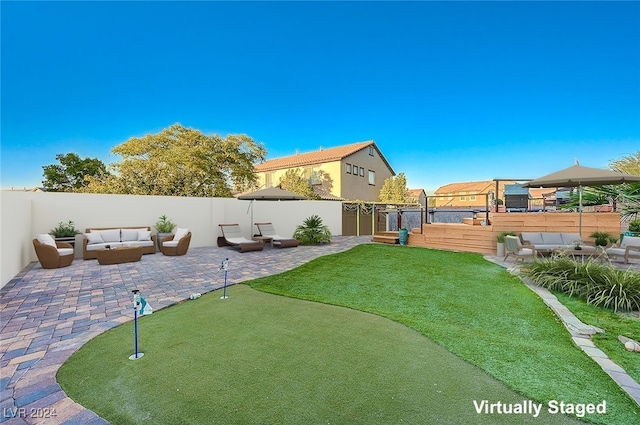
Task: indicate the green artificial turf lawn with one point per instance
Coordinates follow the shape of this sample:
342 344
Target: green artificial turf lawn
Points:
258 358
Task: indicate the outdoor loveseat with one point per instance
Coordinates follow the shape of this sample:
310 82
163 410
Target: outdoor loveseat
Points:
100 237
551 241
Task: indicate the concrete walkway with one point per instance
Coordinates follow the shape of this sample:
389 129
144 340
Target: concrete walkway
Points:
46 315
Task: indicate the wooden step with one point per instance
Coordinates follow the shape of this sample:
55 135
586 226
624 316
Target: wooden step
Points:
383 238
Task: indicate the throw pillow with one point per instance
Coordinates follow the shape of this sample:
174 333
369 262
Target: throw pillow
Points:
144 235
94 237
47 239
180 233
111 235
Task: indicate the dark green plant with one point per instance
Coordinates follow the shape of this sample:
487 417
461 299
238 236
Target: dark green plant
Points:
603 238
599 284
64 230
312 232
164 225
501 235
634 226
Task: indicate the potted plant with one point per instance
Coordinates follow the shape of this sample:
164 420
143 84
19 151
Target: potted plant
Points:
164 227
65 232
577 245
603 238
500 239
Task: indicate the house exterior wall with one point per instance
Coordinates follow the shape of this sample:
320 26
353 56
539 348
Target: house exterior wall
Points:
336 180
470 194
357 187
27 214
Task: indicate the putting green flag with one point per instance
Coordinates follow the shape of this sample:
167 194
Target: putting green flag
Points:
144 307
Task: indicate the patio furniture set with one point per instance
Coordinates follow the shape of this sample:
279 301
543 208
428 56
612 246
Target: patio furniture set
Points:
232 236
113 245
128 244
532 244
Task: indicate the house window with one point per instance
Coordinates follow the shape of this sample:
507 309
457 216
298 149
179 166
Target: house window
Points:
268 179
371 150
472 196
361 172
313 174
355 170
348 168
463 196
372 177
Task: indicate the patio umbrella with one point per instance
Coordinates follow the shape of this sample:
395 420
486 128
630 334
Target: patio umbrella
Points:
579 176
269 194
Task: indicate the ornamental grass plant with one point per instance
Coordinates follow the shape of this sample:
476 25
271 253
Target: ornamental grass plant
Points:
599 284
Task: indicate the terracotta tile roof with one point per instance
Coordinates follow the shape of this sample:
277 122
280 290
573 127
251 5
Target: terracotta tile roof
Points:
478 187
416 192
316 157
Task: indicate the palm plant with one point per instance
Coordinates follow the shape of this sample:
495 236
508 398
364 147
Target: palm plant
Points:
312 232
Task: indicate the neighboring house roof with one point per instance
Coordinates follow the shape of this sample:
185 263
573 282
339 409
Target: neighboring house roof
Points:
318 157
326 196
478 187
416 192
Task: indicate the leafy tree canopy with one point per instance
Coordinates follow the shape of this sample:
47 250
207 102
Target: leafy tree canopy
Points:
181 161
394 190
294 181
72 173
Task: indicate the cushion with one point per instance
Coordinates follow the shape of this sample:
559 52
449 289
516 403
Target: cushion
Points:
65 251
630 241
47 239
173 243
144 235
569 238
553 239
93 237
534 238
180 233
130 234
111 235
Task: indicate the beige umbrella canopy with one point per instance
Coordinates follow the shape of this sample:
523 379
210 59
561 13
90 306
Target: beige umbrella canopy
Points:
579 176
269 194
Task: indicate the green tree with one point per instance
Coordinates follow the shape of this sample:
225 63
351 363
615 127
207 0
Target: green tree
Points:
394 190
181 161
72 173
294 181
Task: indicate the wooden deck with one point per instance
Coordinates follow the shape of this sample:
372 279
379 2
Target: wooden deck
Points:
482 239
386 237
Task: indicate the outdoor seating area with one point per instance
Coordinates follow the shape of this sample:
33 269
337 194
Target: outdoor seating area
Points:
113 237
629 248
546 242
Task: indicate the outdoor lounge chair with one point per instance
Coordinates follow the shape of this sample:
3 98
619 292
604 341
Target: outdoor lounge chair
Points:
267 230
514 248
52 254
629 248
177 244
232 236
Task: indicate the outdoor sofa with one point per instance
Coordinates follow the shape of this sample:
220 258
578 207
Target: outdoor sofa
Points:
96 238
551 241
629 248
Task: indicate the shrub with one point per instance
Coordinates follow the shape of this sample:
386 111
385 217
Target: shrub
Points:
312 232
603 238
64 230
164 225
500 236
634 226
599 284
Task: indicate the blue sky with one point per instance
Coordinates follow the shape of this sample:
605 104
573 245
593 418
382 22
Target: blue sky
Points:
450 91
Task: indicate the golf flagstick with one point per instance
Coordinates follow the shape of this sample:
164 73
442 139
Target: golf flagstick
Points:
136 306
224 266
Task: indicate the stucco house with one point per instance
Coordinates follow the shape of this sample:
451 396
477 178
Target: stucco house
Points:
469 194
352 172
